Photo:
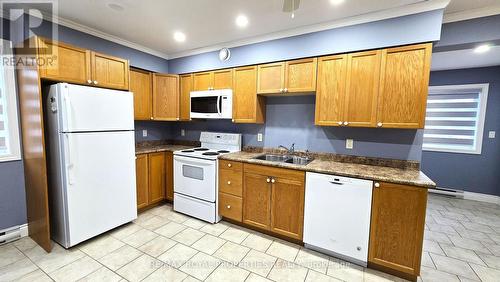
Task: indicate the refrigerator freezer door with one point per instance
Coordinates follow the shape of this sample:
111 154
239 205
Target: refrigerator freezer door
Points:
100 182
90 109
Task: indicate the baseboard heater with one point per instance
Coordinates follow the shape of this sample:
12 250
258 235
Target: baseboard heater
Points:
13 233
448 192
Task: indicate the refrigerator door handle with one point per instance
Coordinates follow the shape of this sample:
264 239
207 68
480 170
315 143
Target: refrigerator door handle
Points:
69 165
67 108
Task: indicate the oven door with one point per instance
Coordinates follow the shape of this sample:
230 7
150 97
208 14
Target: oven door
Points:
195 177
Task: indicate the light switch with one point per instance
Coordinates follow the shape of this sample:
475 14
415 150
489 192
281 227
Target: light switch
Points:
491 134
183 132
349 143
144 133
259 137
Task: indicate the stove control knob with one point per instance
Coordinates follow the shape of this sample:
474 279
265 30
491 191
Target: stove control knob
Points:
229 183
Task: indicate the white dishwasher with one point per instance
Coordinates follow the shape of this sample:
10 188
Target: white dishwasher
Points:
337 216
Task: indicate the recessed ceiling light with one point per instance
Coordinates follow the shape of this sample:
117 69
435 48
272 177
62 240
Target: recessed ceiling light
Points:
179 36
241 21
482 48
336 2
116 7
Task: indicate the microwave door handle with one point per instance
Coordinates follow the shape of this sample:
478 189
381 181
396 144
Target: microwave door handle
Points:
219 99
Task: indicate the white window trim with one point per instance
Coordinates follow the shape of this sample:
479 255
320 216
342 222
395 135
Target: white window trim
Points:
445 89
12 108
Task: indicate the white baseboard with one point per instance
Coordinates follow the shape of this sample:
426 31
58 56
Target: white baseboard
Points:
14 233
23 230
482 197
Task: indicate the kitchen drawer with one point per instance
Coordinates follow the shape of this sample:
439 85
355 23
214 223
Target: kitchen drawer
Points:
230 206
236 166
230 182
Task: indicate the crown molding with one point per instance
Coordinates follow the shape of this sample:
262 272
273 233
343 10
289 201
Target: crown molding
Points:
103 35
472 14
416 8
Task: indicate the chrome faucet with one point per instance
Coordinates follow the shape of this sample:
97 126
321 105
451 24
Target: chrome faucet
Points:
290 150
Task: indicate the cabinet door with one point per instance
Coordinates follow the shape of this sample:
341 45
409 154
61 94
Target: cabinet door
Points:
157 177
287 205
203 81
169 171
331 90
142 180
300 75
110 72
248 107
186 86
363 75
68 63
256 200
141 85
403 86
165 97
271 78
397 227
223 79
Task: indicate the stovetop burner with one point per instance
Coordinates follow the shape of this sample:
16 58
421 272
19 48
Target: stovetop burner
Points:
223 151
187 151
210 154
201 149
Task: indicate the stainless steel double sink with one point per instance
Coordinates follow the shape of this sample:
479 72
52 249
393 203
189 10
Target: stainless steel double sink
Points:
290 159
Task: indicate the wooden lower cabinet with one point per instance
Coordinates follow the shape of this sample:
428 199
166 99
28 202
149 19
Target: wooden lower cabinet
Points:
397 229
273 199
154 178
230 206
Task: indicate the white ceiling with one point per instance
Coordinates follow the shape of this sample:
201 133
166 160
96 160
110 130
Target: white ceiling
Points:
151 23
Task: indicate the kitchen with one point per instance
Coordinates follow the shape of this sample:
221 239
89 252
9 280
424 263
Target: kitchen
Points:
260 160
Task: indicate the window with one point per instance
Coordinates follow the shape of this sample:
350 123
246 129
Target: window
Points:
9 124
454 120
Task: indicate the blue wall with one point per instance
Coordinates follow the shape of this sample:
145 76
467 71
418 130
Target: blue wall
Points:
423 27
473 173
291 120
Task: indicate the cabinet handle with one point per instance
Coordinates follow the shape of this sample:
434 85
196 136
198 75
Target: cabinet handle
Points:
346 123
379 124
268 180
281 90
229 165
340 123
177 118
286 89
95 82
229 183
377 184
228 207
89 81
273 180
151 117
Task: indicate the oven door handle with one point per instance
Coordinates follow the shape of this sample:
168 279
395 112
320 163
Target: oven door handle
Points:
194 162
219 97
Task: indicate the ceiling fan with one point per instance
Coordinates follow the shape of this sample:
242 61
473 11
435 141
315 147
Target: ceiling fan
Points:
290 6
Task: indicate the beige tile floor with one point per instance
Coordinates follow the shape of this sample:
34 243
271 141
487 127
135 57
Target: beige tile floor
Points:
462 243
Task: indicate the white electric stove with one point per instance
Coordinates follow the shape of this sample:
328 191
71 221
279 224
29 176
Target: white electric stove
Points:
196 175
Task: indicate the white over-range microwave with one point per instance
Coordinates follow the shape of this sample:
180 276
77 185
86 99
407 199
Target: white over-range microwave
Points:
212 104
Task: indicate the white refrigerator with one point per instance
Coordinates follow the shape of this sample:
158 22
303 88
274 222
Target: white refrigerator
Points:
91 153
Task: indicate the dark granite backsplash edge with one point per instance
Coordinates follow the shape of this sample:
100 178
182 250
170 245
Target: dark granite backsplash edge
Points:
402 164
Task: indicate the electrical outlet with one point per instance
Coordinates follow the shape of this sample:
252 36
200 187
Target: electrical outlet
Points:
491 134
144 133
259 137
183 132
349 143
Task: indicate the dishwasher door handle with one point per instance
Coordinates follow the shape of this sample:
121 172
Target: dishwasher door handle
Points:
336 183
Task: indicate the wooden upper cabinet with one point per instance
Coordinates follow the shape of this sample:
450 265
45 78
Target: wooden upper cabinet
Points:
331 90
142 179
223 79
256 200
109 71
403 86
165 97
397 227
300 75
186 86
71 64
363 75
203 81
287 203
271 78
141 84
157 177
248 107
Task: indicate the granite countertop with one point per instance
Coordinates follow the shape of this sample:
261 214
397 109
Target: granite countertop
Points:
410 175
147 147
